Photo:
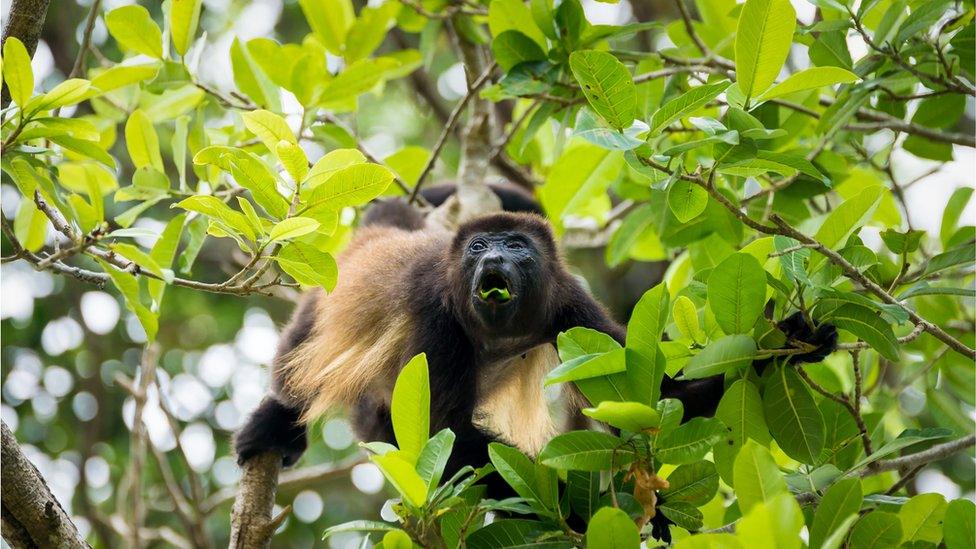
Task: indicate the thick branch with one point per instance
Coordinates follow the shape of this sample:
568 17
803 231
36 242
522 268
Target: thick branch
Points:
306 477
30 503
251 523
24 22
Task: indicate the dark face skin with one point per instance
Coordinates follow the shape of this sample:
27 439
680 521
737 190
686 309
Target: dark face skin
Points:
504 272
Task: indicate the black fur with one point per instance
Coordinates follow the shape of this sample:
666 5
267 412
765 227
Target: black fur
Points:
513 197
462 336
273 427
392 212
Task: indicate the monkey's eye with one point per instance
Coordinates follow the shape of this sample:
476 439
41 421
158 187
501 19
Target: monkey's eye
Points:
516 244
478 246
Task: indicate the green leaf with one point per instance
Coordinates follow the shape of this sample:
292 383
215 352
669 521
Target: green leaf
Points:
695 483
902 242
840 502
330 21
269 127
357 78
163 253
741 411
433 458
762 42
720 356
690 441
512 47
350 186
611 528
959 527
183 18
17 71
397 539
534 482
308 265
757 479
215 208
648 320
922 518
687 200
358 526
774 523
953 210
328 165
588 366
737 293
134 29
962 255
512 533
410 408
686 104
401 474
607 85
293 227
846 218
293 158
686 319
128 286
876 529
595 130
809 79
793 416
251 173
172 103
867 325
124 75
368 31
578 178
505 15
794 262
250 79
587 451
142 142
30 224
630 416
69 92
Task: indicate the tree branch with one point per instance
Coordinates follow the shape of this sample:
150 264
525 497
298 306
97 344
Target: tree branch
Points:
24 22
28 502
783 228
935 453
251 523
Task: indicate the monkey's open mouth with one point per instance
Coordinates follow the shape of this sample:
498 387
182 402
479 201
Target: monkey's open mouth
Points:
494 288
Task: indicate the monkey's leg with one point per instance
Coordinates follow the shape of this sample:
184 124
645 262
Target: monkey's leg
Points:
276 425
273 427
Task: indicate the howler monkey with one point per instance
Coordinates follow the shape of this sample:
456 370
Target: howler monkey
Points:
485 304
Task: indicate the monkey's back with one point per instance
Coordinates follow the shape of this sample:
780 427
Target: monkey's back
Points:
359 331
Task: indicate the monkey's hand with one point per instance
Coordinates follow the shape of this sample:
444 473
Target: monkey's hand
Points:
273 427
823 339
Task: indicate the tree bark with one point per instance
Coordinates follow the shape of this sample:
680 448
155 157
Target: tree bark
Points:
251 523
32 516
25 21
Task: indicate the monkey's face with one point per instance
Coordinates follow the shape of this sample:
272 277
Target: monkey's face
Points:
504 274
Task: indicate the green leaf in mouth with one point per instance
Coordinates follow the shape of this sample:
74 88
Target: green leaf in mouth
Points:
499 294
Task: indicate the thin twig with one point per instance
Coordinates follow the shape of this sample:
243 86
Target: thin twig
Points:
79 65
448 128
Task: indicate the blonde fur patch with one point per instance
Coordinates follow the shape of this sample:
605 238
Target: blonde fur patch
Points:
361 328
515 408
